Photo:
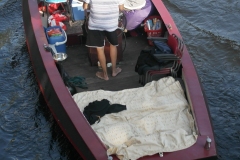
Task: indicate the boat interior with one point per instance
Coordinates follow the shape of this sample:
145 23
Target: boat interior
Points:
81 64
146 53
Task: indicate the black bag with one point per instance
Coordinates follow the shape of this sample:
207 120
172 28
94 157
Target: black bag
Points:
147 61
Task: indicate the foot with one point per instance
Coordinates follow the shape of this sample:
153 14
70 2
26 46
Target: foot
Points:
102 76
116 72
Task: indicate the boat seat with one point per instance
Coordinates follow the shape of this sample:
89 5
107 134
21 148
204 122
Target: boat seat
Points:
169 63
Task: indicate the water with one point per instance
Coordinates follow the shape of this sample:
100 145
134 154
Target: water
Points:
211 32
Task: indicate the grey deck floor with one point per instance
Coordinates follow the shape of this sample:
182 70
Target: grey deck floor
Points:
78 64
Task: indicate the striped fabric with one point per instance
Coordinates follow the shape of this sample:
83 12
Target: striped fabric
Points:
104 14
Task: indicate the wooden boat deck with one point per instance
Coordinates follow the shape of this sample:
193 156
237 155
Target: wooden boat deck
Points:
78 64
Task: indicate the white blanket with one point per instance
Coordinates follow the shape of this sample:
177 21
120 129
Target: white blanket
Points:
157 119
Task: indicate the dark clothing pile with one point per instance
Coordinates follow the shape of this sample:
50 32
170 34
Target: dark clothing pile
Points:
97 109
147 61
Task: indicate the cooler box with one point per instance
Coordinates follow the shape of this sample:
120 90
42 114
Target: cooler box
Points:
61 38
77 10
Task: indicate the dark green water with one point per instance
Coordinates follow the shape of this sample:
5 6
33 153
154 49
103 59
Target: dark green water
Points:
211 32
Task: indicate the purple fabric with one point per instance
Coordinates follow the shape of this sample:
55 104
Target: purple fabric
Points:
136 17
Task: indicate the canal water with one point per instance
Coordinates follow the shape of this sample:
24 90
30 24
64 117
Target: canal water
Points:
211 32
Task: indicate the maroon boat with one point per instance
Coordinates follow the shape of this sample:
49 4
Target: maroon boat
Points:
66 99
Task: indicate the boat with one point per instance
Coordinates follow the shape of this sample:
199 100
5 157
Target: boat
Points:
78 62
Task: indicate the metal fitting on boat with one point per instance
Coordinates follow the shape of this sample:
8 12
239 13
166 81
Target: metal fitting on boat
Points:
161 154
208 143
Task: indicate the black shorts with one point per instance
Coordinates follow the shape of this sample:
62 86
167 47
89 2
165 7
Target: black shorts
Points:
96 38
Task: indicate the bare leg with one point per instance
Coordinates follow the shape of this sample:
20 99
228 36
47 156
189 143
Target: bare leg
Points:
102 60
113 55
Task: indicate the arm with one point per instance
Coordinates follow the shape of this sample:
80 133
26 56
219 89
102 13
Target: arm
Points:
85 6
121 7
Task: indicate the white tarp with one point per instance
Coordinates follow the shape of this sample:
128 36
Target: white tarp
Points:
157 119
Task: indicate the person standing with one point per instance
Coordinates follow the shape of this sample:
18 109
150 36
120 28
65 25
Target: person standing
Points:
103 23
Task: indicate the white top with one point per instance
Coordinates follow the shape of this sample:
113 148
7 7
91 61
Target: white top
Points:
104 14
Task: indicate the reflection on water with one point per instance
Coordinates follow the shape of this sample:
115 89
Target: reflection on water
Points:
211 33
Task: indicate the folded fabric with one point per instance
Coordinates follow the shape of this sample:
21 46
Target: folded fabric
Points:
162 47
